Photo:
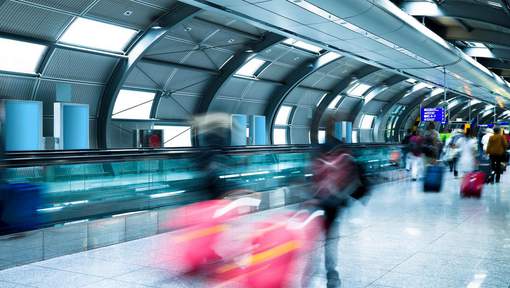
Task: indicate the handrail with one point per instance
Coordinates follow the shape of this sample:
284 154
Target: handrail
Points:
49 158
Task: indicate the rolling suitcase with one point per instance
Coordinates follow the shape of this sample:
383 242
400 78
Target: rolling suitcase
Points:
472 184
433 179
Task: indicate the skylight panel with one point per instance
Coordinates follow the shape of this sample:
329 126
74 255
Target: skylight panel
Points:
367 121
303 45
175 136
334 103
283 115
250 68
358 89
280 136
133 104
18 56
97 35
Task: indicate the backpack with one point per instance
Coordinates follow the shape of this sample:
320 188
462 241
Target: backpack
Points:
415 145
335 178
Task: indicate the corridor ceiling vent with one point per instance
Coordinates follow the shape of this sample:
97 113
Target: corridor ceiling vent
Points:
358 89
132 104
334 103
20 57
303 45
98 35
251 68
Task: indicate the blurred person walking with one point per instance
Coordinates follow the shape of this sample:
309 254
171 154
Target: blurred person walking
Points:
431 143
485 139
415 155
496 149
405 149
337 178
451 151
468 149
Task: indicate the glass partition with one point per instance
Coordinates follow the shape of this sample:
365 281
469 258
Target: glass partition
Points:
84 191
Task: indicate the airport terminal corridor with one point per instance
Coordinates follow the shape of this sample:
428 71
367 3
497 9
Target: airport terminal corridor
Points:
402 238
255 143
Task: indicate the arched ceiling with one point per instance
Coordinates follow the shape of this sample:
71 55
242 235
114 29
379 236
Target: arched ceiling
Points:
189 58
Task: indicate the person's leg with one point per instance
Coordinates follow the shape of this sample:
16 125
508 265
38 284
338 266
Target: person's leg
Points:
331 248
455 161
414 166
497 164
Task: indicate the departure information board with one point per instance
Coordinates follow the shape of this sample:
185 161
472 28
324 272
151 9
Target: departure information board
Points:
434 114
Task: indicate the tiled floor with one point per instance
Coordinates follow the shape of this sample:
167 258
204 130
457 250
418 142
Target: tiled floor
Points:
401 238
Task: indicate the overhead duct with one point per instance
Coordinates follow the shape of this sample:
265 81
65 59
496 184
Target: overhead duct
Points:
374 31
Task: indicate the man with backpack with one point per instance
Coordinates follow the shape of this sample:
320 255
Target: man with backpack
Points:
337 179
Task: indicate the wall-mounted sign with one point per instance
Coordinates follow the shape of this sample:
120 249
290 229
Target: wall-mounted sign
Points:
434 114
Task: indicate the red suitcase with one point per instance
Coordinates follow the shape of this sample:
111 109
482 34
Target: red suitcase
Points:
472 184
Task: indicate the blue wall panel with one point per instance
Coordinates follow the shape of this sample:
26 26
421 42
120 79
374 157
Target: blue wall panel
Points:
76 126
23 125
238 132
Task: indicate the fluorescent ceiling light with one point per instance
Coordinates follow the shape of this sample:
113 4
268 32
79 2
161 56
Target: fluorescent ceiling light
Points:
131 104
98 35
495 4
303 45
436 91
250 68
358 89
335 101
18 56
283 115
475 44
369 97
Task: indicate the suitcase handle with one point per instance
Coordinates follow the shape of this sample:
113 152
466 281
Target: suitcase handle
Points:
295 225
241 202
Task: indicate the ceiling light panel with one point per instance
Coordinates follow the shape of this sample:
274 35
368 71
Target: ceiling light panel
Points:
98 35
358 89
250 68
303 45
18 56
334 103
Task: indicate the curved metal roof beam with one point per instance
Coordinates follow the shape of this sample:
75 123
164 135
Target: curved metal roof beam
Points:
412 107
489 118
457 9
341 86
231 67
378 89
476 35
465 111
178 14
293 80
413 90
